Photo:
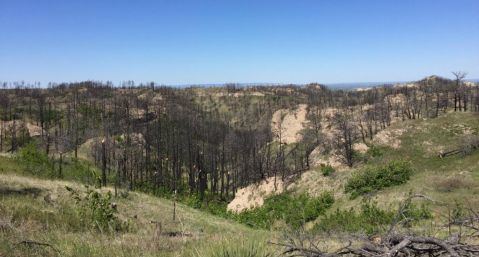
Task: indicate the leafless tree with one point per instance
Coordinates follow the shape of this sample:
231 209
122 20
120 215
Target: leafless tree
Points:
347 134
460 75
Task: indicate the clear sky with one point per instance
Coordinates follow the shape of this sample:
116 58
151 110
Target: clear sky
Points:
197 42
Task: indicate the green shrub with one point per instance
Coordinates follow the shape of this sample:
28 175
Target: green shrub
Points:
39 164
374 151
372 178
33 161
371 153
294 210
316 206
75 169
370 219
119 139
457 210
125 194
327 170
96 210
412 212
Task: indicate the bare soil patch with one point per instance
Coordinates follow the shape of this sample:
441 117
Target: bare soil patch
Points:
254 194
287 124
389 138
33 130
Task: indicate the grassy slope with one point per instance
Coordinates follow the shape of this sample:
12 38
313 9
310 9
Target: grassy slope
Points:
23 208
421 142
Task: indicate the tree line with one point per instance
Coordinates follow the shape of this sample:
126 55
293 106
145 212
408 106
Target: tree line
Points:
208 141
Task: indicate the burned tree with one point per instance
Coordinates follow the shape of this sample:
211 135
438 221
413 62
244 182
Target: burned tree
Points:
458 88
346 135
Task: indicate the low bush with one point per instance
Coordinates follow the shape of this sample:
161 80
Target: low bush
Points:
75 169
295 211
450 184
327 170
374 151
97 211
33 161
370 219
372 178
458 211
37 163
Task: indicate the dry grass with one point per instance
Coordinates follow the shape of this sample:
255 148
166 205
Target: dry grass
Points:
451 183
454 178
23 207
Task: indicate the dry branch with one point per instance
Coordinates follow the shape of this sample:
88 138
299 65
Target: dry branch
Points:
394 242
33 243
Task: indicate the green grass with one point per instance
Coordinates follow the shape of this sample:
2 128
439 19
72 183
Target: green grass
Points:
420 144
9 166
24 215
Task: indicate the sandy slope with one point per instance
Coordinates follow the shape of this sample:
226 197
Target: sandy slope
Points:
33 130
254 194
288 124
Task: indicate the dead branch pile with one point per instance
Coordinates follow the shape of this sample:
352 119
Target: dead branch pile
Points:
394 242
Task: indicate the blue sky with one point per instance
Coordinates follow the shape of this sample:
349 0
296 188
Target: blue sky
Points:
198 42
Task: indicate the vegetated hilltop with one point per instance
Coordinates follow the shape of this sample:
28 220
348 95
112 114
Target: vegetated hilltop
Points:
327 150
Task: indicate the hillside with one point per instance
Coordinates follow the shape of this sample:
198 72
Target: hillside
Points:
452 178
242 164
25 215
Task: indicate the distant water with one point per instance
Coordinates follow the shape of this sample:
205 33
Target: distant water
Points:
355 85
344 86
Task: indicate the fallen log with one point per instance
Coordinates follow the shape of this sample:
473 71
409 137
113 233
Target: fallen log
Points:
159 231
452 152
395 242
33 243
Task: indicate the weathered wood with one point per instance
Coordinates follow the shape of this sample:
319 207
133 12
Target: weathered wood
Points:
452 152
394 243
48 199
33 243
159 231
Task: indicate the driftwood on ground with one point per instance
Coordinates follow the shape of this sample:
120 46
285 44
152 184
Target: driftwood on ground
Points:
452 152
34 243
470 144
159 231
394 241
